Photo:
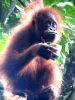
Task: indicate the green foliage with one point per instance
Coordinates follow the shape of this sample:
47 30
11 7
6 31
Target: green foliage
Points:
51 2
3 40
6 2
68 19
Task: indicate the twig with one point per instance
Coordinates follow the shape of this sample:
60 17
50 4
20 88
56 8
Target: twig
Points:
67 28
23 4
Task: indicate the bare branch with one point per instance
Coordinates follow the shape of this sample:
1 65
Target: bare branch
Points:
67 28
21 2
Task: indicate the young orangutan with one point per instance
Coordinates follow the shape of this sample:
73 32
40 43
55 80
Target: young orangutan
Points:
27 64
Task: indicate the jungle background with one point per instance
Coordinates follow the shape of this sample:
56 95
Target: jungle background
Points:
10 13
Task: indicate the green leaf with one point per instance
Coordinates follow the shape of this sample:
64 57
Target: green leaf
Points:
51 2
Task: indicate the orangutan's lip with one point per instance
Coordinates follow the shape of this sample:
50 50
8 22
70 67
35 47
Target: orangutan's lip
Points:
50 31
